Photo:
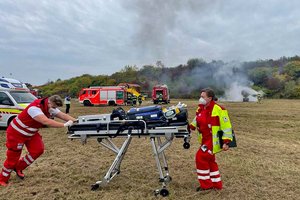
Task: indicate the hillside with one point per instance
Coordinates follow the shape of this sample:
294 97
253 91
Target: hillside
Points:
276 78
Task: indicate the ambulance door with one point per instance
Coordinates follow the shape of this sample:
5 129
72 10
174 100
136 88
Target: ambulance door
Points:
6 106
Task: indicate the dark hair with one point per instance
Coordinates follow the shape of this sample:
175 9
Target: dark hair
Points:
210 93
56 100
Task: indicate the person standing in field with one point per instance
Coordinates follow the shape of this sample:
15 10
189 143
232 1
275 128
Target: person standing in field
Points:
211 120
67 102
24 130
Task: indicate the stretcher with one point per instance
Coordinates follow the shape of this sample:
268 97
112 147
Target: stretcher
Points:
104 129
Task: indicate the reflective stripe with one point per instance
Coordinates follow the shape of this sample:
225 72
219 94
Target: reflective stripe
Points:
203 177
8 170
202 171
214 173
19 130
227 130
214 180
216 136
27 162
217 142
24 126
228 135
5 174
30 158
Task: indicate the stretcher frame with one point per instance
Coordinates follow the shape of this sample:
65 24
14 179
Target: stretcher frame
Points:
105 138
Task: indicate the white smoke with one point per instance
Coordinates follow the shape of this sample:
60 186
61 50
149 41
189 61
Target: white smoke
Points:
234 93
237 86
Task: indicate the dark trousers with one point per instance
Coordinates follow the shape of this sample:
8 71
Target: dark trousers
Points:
68 108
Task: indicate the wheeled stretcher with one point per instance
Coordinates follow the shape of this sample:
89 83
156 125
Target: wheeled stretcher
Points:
104 129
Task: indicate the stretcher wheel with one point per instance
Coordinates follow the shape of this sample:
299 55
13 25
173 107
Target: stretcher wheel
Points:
168 178
156 192
99 140
95 187
164 192
186 145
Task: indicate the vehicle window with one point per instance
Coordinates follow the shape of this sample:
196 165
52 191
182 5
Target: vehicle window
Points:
22 97
94 92
82 92
120 95
5 100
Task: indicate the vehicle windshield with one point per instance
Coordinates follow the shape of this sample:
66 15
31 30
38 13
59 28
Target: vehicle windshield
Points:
22 97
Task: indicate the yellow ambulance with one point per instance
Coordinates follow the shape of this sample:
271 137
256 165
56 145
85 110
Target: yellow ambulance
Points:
14 97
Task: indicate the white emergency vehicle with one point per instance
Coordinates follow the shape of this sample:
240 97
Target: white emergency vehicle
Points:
14 97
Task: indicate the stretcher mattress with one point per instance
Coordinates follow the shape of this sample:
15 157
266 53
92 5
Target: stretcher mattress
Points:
124 127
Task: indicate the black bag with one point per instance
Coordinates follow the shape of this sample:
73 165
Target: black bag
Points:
179 119
232 143
118 113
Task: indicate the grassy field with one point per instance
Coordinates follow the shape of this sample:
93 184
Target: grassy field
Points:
265 165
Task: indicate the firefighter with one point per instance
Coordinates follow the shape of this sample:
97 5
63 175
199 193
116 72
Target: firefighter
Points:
160 98
129 99
210 119
134 100
67 102
24 130
140 100
259 98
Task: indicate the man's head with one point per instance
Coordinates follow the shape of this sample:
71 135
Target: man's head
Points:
55 101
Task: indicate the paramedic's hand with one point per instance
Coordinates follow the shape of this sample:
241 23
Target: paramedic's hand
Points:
191 127
68 123
225 147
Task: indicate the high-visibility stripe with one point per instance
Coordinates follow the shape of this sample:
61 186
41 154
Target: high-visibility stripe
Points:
203 177
24 126
202 171
8 170
227 130
214 180
5 174
30 158
214 173
27 162
216 136
19 130
10 111
227 136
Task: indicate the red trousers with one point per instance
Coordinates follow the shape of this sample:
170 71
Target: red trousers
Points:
14 143
207 170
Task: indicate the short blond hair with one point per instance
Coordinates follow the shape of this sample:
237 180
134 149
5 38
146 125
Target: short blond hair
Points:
56 99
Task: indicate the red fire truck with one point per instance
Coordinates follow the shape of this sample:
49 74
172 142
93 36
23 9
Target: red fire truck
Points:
102 95
160 94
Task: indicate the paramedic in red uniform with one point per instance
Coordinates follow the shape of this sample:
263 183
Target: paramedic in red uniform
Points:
23 130
210 120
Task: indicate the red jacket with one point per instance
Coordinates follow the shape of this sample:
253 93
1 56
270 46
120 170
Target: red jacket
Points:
25 124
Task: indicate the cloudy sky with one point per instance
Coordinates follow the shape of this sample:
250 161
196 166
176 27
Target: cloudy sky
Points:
45 40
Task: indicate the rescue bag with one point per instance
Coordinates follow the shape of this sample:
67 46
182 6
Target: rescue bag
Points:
179 117
148 113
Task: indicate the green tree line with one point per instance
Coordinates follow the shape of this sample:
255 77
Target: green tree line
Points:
276 78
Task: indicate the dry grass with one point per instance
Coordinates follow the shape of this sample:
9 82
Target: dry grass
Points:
266 164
